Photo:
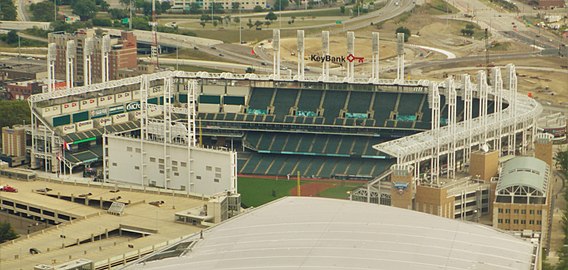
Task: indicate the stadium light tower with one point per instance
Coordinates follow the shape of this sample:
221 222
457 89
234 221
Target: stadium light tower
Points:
350 51
51 57
300 53
400 57
276 49
325 52
375 58
70 63
87 63
105 50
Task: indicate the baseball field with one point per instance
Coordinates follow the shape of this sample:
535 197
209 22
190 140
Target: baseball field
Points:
258 191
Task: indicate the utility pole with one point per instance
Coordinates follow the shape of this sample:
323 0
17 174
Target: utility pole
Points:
487 54
130 19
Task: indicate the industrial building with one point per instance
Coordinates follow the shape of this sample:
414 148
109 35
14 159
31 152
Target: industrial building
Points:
14 145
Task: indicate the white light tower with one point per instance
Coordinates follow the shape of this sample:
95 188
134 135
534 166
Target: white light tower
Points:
467 115
325 52
105 51
375 57
452 122
400 57
482 90
512 80
70 63
300 53
276 49
498 107
87 61
51 57
434 98
350 51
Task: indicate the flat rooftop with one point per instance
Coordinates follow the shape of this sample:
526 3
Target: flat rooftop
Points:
73 240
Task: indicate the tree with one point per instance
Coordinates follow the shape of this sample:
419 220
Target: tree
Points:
6 232
85 9
194 8
43 11
237 20
281 4
202 23
267 23
258 25
235 5
8 10
104 6
140 23
405 31
19 112
217 7
165 6
250 24
117 14
205 17
105 22
342 9
271 16
257 9
12 37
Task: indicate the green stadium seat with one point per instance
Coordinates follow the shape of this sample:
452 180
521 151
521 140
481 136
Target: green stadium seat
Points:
309 100
333 103
285 99
240 117
359 102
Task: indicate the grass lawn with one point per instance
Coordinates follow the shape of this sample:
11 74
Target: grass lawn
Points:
339 191
258 191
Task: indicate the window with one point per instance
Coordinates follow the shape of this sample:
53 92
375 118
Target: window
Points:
152 159
217 169
539 212
500 210
208 168
175 169
523 211
198 177
218 175
531 212
531 222
507 221
515 211
161 171
523 221
500 220
507 211
175 163
515 221
176 174
183 164
128 149
216 180
538 222
138 150
161 166
114 164
137 167
161 161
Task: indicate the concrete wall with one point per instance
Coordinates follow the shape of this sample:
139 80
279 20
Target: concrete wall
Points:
211 170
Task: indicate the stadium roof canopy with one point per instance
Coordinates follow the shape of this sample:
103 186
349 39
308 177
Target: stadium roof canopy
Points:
524 171
318 233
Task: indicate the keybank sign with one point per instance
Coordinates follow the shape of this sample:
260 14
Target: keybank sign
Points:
336 59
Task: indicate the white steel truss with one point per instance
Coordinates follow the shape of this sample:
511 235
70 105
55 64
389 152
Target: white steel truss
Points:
435 106
350 51
300 54
452 120
325 52
70 63
375 58
498 105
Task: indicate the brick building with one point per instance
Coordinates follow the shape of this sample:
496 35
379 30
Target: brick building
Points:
14 145
122 54
23 89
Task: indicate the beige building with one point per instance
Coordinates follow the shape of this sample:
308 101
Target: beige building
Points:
227 5
14 144
522 196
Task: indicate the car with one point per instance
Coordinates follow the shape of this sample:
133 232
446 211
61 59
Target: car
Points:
263 63
283 68
8 189
221 54
213 48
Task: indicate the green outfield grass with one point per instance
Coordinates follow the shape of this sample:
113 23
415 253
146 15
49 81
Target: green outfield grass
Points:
258 191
